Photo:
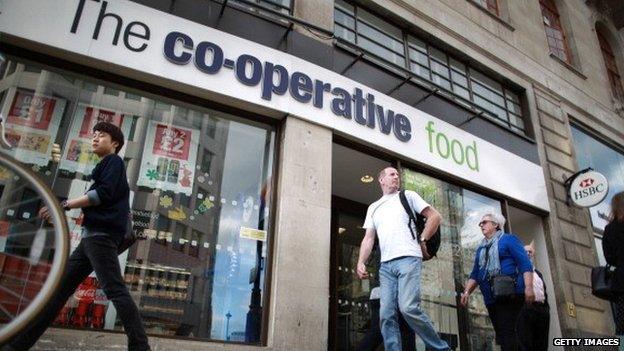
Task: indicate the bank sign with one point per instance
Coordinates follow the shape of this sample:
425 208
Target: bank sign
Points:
146 44
588 188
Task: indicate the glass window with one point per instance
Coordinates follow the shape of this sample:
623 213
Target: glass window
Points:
379 37
615 80
490 5
370 32
555 36
442 282
200 198
464 93
593 153
601 259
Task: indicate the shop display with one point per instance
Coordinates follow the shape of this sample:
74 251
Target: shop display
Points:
32 123
77 155
169 157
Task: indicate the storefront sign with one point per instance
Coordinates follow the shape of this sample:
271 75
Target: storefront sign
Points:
587 188
168 161
142 42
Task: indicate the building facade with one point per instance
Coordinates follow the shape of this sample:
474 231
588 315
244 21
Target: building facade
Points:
255 132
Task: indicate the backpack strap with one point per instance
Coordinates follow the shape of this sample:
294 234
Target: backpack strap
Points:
411 223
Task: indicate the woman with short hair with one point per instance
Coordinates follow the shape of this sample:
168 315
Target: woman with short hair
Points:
501 254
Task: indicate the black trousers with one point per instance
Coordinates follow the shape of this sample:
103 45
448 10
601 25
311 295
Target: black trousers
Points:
97 253
533 326
504 317
373 338
617 307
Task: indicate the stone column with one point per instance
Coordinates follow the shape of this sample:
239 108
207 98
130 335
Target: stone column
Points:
569 240
301 246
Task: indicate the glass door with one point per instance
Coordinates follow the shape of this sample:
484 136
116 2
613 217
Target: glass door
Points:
351 296
443 277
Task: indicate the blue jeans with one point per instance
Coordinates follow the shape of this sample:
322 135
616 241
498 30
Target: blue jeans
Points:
400 291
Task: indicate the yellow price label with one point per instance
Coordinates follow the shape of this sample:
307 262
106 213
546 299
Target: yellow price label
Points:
253 234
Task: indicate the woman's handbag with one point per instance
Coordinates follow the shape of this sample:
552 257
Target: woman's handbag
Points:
602 282
503 287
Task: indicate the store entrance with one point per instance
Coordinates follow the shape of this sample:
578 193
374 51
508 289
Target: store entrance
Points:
354 187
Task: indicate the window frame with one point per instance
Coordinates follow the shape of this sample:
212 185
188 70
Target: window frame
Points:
490 6
610 62
556 27
269 4
164 94
415 46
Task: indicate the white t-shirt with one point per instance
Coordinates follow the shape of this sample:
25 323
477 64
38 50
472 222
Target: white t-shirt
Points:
389 219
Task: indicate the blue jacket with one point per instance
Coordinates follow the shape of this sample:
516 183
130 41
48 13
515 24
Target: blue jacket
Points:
514 261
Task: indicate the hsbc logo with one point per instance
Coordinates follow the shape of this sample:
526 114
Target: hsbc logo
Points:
586 182
588 189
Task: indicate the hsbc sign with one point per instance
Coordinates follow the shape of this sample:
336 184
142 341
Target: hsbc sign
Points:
588 188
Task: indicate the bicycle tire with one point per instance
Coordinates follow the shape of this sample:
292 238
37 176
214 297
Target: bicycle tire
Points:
61 250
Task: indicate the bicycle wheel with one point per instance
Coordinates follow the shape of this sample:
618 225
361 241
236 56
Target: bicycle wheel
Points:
33 253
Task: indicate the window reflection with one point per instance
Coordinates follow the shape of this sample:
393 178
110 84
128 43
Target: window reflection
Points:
443 281
200 198
590 152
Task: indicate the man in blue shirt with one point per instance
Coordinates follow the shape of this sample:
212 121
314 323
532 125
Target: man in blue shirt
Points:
501 254
106 211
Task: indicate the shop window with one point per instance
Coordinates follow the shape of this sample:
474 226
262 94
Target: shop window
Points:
88 86
179 238
111 91
615 79
211 127
133 96
194 243
490 5
461 211
555 35
470 86
191 266
591 152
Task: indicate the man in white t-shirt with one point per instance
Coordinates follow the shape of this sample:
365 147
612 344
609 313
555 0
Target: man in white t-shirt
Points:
401 261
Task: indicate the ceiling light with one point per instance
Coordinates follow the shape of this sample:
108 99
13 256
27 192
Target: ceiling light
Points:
366 179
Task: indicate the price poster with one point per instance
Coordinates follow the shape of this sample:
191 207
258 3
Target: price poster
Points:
32 124
169 157
77 153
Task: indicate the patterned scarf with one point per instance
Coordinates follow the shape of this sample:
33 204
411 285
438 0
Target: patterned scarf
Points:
489 249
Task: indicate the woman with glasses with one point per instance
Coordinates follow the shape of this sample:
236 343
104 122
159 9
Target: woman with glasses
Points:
499 256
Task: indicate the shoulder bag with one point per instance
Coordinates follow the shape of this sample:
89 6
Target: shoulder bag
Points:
602 282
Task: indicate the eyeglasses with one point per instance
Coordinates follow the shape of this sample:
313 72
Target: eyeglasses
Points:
482 223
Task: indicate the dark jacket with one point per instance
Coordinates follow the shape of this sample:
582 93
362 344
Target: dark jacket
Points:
111 214
613 248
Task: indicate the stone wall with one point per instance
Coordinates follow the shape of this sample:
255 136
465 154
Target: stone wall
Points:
569 239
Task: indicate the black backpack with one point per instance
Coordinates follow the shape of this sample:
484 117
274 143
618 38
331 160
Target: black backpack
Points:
418 223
